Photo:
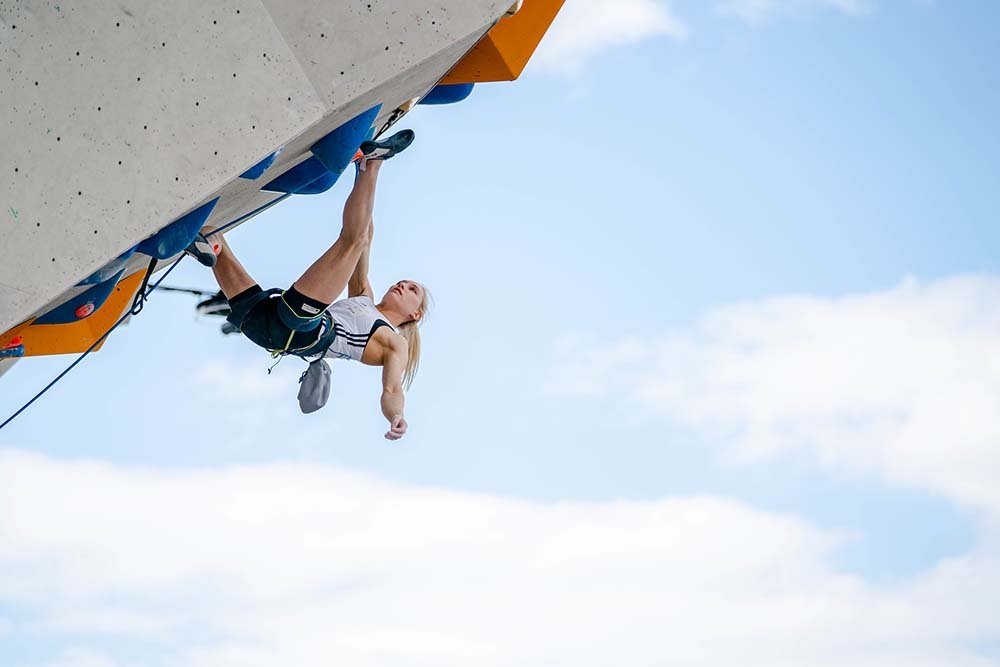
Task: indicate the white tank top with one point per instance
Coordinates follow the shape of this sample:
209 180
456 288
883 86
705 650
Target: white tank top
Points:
354 320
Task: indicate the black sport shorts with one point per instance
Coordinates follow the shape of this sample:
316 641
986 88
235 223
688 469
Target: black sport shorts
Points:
255 313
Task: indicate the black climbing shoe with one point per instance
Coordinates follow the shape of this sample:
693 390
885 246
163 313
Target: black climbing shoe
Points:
217 304
385 149
202 250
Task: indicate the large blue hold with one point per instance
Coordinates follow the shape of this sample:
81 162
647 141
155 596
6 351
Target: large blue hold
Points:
337 149
178 235
320 185
448 93
296 179
330 157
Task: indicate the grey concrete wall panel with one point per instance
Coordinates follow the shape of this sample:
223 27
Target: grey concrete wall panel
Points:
120 117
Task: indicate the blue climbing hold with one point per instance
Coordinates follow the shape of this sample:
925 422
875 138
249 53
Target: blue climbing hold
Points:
83 305
256 171
298 177
337 149
172 239
109 269
330 157
318 186
12 351
448 93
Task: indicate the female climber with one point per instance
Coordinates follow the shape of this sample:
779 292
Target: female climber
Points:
305 319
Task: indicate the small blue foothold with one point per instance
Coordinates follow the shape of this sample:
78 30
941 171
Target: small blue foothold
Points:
13 349
11 352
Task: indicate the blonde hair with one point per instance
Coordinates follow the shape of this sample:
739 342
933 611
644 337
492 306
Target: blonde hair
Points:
411 332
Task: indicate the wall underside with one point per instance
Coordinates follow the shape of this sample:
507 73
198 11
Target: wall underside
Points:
118 118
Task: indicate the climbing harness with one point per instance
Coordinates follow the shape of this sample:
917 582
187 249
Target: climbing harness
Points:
314 389
316 348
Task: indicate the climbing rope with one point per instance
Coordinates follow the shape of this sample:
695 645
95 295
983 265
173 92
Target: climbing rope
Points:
140 299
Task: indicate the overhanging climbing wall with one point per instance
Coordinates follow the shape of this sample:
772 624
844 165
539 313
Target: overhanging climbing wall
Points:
121 117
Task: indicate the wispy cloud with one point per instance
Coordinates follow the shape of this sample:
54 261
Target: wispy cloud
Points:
306 565
760 11
585 28
905 382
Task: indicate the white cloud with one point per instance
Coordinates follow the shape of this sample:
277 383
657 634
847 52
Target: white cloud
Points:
307 565
585 28
587 367
759 11
904 383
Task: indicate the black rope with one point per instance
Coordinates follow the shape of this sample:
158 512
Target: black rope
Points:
187 290
140 299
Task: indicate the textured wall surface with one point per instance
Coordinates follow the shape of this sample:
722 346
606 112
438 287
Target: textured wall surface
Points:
119 117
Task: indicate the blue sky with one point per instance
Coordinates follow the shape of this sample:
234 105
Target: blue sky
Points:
716 285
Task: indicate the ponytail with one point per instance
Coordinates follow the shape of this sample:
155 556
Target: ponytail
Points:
411 332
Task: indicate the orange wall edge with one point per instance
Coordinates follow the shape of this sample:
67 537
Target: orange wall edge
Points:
507 48
44 339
